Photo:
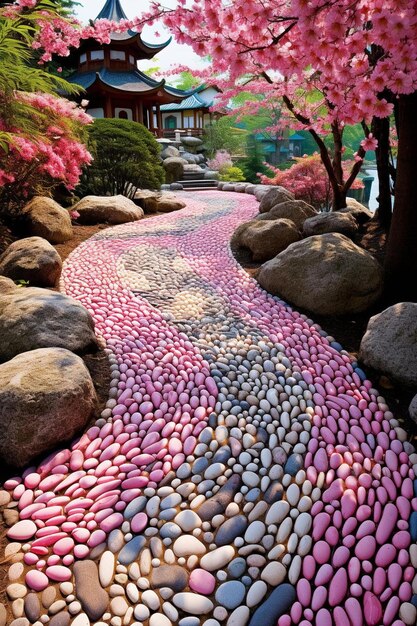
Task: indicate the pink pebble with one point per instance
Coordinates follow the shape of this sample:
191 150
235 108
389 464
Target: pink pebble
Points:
63 546
111 522
202 582
139 522
21 531
36 580
58 573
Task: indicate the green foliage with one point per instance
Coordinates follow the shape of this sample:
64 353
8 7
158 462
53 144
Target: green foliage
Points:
126 158
18 73
185 81
253 164
232 174
222 134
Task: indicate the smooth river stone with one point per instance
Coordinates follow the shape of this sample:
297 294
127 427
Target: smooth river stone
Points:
255 532
172 576
138 522
230 594
187 520
22 531
36 580
186 545
278 602
202 581
94 599
217 558
230 529
217 504
192 603
106 568
32 607
131 549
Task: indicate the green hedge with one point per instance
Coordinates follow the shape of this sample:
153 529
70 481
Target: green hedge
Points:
126 158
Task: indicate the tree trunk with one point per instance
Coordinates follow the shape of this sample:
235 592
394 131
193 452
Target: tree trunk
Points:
401 255
380 130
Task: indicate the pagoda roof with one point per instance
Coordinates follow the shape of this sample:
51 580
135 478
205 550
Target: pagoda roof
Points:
133 81
113 10
192 102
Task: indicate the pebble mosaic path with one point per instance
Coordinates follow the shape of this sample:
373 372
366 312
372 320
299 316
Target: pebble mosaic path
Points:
244 470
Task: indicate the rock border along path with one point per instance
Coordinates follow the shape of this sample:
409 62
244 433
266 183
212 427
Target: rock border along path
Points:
244 470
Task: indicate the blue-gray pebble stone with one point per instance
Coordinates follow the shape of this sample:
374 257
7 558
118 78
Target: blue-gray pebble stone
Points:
190 620
253 494
278 602
200 465
170 530
135 506
230 594
237 567
274 492
413 526
130 551
294 464
230 529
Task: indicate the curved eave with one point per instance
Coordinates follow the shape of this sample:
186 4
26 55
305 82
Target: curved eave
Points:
133 83
130 37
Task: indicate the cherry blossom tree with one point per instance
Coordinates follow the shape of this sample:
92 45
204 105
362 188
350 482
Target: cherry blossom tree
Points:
355 56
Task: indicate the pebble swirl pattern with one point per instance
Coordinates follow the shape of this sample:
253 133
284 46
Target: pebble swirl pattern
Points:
244 470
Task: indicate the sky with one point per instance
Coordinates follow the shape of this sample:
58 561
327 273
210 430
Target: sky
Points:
174 54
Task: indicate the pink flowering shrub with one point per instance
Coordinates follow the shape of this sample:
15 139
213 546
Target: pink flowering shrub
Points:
221 161
57 154
307 179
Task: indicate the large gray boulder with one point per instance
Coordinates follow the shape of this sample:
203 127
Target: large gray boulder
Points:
326 274
390 343
296 210
46 218
274 196
156 202
110 209
174 169
261 190
32 259
266 239
357 210
332 222
34 318
46 397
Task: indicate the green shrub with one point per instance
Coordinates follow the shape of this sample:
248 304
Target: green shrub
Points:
126 158
232 174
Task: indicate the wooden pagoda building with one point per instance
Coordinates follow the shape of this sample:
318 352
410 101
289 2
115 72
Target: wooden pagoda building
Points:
114 85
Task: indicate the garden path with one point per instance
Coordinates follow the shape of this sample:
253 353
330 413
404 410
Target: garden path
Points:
244 471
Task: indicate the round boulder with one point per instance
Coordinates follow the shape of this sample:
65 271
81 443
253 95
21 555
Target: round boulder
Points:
46 396
274 196
296 210
32 259
332 222
174 169
170 151
326 274
110 209
7 285
261 190
389 344
266 239
46 218
357 210
34 318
